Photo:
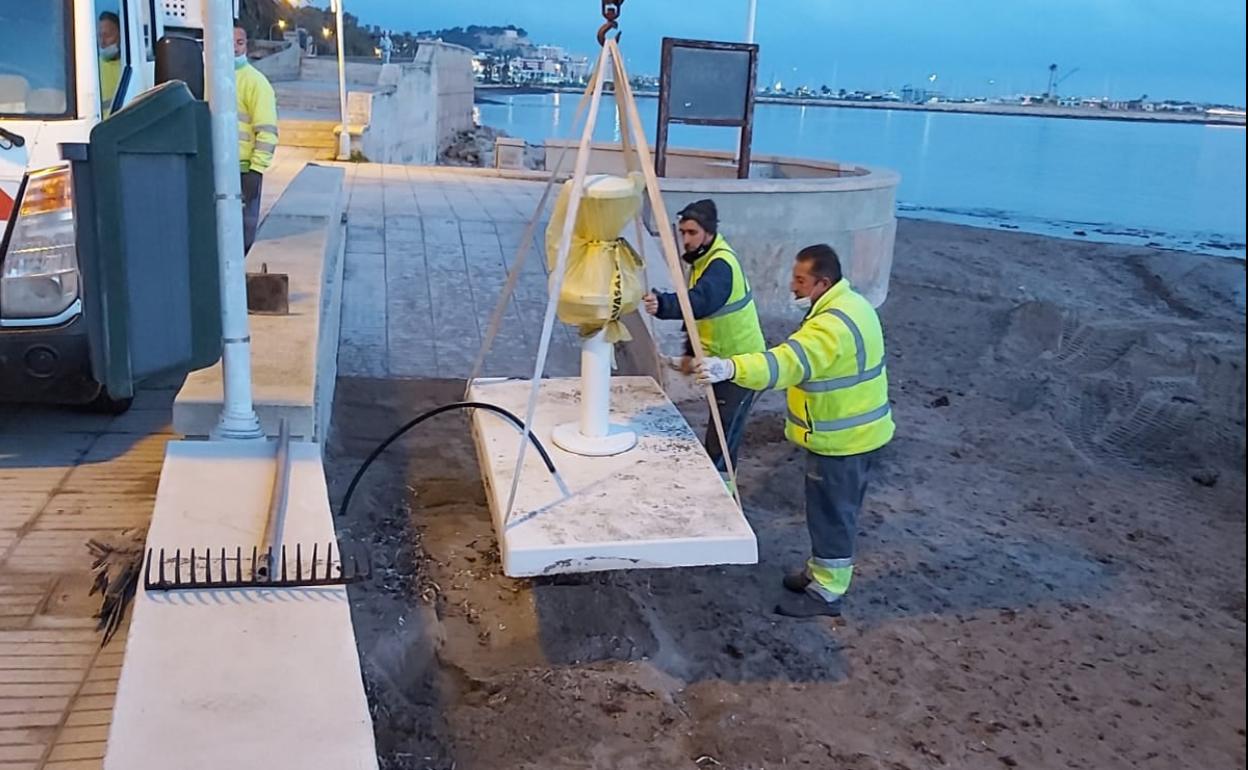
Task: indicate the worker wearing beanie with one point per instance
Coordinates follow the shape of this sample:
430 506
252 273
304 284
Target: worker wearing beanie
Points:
725 313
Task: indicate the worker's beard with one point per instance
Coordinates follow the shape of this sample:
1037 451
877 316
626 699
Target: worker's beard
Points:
696 254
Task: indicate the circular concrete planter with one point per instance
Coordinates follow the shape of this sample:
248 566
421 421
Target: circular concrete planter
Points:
787 203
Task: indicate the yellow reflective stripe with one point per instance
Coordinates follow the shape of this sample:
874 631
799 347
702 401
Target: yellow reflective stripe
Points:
272 129
773 370
244 136
829 582
800 352
733 307
845 423
265 146
860 354
840 383
860 345
244 117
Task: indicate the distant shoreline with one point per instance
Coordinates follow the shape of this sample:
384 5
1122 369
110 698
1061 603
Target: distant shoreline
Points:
976 108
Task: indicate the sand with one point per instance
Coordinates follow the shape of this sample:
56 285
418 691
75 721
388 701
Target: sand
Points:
1051 558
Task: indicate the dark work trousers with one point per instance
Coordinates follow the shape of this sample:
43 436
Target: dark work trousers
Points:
252 182
835 487
734 404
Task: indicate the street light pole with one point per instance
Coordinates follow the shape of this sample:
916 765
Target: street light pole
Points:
344 138
238 414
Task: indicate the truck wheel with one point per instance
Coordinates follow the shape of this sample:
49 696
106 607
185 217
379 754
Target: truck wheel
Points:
106 404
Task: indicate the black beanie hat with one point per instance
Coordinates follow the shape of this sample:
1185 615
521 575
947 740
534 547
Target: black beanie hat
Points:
704 213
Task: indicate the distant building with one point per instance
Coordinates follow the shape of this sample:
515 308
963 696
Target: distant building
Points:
507 40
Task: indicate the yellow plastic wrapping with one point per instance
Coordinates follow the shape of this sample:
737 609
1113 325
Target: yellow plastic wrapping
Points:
603 278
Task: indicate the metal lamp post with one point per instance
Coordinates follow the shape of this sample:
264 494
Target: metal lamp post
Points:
344 137
238 414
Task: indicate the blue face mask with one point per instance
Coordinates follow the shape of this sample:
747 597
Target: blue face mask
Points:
240 60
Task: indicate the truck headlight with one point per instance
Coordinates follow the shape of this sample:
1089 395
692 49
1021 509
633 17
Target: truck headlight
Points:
39 275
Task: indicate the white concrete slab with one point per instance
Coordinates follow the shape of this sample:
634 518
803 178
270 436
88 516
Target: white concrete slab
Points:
215 679
661 504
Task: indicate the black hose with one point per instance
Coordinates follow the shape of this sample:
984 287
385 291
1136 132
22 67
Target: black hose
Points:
346 499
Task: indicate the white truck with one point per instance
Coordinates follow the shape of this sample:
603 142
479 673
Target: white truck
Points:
65 66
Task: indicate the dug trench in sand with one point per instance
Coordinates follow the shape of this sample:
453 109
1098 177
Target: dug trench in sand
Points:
1052 558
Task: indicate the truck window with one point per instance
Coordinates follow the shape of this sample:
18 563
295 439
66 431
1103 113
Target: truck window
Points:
111 50
36 59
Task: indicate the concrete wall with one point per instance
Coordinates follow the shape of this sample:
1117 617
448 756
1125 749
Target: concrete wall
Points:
416 109
279 60
456 88
787 204
401 124
326 68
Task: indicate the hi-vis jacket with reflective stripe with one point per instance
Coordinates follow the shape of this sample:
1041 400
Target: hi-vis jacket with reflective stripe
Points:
833 367
257 119
733 328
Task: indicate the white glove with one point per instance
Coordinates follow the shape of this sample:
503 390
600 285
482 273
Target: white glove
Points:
712 370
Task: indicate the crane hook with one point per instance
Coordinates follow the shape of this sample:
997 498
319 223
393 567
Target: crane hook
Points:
610 12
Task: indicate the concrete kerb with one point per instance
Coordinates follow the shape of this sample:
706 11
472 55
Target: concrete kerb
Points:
294 357
288 655
214 677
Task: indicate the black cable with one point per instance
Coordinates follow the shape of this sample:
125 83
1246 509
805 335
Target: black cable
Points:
346 499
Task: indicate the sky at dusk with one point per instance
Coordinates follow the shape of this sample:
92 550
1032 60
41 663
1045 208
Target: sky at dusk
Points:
1188 49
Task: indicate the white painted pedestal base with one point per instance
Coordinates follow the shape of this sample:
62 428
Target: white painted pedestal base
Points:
569 438
661 504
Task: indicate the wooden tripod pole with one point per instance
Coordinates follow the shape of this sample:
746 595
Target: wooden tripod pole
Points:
624 96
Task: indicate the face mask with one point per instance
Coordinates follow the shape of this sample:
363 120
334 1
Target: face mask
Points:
111 51
696 254
801 303
240 60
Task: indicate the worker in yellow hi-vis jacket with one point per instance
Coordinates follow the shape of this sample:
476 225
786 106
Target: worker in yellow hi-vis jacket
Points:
257 132
838 411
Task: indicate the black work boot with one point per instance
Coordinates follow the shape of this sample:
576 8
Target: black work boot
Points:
797 581
807 605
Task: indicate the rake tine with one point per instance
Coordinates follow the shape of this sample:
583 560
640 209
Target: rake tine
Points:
299 561
314 547
329 560
238 564
147 571
192 565
225 577
162 566
177 567
355 567
283 564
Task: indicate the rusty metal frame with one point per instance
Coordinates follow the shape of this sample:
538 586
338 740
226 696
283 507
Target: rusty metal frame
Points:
746 123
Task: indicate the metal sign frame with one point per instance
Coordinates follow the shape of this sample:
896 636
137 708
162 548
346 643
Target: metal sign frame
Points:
745 123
